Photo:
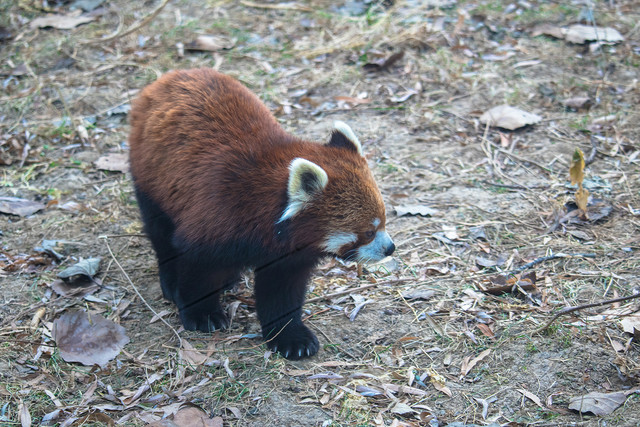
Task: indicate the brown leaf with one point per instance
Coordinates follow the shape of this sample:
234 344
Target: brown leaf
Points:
582 198
90 340
547 30
535 399
507 117
631 325
190 354
61 22
576 170
467 365
578 102
385 65
598 403
351 100
117 162
210 43
20 207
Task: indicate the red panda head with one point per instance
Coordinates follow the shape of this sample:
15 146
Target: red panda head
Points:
334 195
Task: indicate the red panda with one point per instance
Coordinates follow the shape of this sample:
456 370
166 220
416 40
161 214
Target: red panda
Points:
222 188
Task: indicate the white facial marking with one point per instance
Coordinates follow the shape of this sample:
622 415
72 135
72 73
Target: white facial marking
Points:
344 129
374 251
376 222
336 240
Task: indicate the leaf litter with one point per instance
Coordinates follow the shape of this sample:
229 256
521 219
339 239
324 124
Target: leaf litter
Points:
406 353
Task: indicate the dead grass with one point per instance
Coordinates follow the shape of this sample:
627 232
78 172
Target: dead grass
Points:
496 198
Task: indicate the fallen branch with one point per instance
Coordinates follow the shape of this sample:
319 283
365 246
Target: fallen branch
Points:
550 257
348 291
568 310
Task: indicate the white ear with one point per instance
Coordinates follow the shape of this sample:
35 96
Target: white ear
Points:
343 136
306 179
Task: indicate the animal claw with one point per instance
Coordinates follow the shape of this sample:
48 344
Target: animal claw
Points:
300 353
308 352
286 355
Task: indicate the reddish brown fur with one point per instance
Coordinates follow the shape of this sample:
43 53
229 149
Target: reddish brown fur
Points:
216 160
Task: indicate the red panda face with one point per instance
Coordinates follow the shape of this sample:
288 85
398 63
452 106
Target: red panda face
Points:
339 202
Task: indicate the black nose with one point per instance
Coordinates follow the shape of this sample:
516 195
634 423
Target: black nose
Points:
390 250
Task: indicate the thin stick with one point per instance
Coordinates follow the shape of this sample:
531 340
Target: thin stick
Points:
337 294
580 307
550 257
131 29
106 240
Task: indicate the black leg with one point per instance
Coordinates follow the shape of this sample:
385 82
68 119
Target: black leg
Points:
160 229
280 290
199 287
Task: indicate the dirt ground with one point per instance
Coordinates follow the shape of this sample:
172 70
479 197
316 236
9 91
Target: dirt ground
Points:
421 339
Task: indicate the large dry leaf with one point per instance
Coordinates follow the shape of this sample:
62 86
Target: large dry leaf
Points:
117 162
508 117
90 340
61 22
598 403
588 33
20 207
190 354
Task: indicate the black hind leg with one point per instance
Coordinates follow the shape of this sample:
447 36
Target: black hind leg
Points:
160 229
199 287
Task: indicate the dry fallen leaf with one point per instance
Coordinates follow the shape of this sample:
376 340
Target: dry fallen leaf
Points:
192 355
61 22
414 210
88 339
507 117
385 65
578 102
598 403
576 170
548 30
23 415
631 324
86 267
20 207
586 33
117 162
210 43
468 363
535 399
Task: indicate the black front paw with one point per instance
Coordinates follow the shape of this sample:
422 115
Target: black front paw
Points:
293 342
205 321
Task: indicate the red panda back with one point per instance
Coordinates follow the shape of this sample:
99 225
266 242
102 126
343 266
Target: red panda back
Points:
214 158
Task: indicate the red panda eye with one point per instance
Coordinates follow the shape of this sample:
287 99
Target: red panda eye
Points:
369 234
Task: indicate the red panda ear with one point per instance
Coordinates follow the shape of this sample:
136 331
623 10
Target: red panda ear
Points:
306 180
343 136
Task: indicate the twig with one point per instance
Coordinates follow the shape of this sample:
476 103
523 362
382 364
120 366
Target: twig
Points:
284 6
106 240
592 154
131 29
337 294
550 257
580 307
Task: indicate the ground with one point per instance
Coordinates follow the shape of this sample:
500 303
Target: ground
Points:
431 342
